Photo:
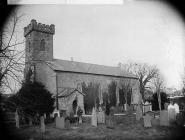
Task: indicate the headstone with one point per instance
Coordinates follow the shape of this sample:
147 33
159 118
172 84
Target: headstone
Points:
150 107
110 122
125 107
180 119
60 122
171 114
165 106
94 118
112 110
176 106
17 119
155 122
164 118
67 124
131 107
101 117
44 115
30 121
42 124
138 112
80 119
147 120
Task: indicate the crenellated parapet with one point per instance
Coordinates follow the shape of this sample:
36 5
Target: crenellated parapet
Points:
34 26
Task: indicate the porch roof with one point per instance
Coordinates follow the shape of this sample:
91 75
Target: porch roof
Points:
65 92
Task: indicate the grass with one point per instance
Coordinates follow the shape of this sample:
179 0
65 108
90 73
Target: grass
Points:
125 127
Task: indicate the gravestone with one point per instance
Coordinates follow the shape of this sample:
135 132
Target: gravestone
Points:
139 114
176 106
44 115
110 119
30 121
165 106
150 107
180 119
155 122
164 118
42 124
94 118
110 122
171 115
17 119
101 117
67 124
60 122
80 119
126 107
131 107
147 120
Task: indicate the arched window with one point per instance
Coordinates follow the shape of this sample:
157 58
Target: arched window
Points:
42 45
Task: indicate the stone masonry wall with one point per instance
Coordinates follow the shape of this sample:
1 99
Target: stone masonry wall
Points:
71 80
46 76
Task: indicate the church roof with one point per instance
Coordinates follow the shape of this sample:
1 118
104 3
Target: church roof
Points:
65 92
87 68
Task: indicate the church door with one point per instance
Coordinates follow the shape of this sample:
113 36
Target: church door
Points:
74 106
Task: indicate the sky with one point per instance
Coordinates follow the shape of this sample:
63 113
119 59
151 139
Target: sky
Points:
139 31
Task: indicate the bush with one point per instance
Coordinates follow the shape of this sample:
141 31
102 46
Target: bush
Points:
112 93
155 104
91 90
31 99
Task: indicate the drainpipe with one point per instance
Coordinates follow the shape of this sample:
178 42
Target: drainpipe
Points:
57 92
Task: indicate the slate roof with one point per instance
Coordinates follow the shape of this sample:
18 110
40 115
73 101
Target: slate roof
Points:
80 67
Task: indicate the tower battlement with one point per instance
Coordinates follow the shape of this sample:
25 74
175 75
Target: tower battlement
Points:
34 26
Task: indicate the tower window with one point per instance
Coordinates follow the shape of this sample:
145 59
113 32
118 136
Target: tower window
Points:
42 45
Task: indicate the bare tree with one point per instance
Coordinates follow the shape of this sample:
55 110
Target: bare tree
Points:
11 53
143 71
158 83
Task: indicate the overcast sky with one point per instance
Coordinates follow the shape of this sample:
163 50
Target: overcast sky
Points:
140 31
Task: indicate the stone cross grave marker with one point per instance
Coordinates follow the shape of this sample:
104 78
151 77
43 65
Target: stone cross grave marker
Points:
164 118
60 122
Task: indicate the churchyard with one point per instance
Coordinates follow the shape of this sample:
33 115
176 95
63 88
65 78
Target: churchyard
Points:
125 125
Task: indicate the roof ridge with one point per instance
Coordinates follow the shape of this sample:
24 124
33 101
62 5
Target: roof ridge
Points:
75 66
87 63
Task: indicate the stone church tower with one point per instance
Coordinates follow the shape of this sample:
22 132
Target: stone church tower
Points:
39 44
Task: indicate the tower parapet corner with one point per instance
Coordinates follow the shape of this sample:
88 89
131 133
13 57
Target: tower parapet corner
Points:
34 26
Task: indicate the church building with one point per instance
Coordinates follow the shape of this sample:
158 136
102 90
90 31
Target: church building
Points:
64 78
